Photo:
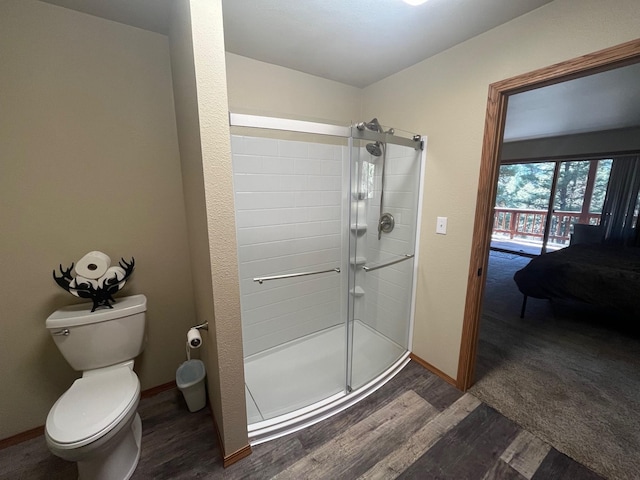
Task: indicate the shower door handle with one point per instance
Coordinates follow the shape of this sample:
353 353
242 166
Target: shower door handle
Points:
292 275
393 262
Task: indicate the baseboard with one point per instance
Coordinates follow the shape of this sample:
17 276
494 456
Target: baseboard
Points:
38 431
236 456
153 391
228 460
434 370
22 437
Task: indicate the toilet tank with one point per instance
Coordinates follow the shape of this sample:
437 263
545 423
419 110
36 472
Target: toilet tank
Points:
108 336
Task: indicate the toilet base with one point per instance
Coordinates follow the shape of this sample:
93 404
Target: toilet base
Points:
118 463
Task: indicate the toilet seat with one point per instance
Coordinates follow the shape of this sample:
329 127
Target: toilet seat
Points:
92 407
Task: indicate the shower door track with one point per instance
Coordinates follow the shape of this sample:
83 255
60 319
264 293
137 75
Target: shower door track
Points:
302 126
267 430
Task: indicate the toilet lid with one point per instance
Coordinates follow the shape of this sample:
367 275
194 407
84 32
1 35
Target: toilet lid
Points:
91 406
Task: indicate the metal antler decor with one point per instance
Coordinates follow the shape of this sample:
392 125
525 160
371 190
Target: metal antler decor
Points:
102 294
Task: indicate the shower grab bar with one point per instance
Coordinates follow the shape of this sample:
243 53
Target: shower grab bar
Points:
292 275
406 256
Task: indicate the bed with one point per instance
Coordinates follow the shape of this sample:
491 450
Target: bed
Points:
603 275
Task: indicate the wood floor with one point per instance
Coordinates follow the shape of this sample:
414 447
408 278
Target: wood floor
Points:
416 426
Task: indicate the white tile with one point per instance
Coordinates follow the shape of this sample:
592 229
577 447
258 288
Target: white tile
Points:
331 167
280 316
330 213
270 233
260 146
269 293
293 183
323 151
311 229
257 218
276 165
247 164
324 182
237 143
264 200
249 253
307 199
400 199
402 166
401 183
288 148
315 214
308 166
257 183
331 198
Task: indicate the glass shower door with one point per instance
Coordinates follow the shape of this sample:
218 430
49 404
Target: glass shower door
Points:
384 195
290 212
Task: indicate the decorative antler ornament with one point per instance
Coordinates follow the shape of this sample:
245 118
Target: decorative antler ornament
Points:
100 290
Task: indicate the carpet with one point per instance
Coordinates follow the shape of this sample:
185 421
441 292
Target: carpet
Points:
568 373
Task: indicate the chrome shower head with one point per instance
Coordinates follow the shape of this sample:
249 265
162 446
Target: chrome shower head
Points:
374 149
374 125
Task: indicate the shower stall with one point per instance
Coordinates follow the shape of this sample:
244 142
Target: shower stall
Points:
327 220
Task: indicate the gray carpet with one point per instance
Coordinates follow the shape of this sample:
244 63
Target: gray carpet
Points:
569 373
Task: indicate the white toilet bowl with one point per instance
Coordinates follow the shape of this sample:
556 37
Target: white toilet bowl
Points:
95 424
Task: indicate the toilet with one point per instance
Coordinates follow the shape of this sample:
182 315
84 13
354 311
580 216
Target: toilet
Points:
95 422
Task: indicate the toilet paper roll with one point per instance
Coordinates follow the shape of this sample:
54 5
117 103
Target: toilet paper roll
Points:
112 276
93 265
193 338
78 282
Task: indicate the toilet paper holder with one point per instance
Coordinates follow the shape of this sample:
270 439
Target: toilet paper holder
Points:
194 340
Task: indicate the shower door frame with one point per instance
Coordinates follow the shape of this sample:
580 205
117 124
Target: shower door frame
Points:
290 422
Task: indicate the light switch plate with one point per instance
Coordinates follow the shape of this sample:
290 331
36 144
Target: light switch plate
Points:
441 225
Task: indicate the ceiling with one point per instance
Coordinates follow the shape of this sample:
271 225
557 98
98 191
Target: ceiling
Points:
359 42
356 42
604 101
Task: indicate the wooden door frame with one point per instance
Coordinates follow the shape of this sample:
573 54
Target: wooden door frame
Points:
499 92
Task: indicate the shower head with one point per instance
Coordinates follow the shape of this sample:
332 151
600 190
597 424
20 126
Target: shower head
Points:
374 125
374 149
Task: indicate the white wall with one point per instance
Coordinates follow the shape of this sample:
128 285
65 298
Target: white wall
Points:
445 98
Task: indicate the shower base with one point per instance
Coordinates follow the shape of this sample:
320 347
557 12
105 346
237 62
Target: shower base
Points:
302 382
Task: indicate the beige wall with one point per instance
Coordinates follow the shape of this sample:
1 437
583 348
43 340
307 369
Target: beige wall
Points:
197 52
264 89
89 161
444 98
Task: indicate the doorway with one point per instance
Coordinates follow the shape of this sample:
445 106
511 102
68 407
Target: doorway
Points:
499 93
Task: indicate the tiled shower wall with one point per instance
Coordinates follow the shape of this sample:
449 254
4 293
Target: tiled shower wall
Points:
289 216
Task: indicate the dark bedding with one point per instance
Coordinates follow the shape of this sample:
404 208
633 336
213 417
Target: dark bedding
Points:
602 275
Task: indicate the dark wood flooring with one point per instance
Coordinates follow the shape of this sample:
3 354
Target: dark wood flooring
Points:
415 427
